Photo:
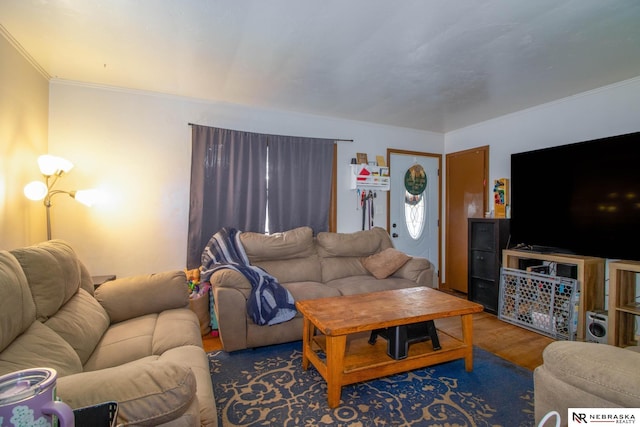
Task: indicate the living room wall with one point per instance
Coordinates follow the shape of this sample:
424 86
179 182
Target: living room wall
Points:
136 146
606 111
24 106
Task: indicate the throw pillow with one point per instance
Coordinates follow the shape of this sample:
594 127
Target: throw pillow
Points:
385 263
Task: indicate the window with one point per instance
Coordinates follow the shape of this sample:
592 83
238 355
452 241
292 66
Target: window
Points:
414 214
247 180
415 183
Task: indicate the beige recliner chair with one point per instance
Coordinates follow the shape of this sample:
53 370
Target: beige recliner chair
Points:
586 375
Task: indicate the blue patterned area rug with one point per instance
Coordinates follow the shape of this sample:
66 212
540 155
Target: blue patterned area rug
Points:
267 387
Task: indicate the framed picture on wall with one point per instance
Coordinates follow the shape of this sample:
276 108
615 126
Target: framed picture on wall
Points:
362 158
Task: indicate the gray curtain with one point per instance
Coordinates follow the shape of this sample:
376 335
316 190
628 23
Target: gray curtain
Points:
229 181
228 186
300 172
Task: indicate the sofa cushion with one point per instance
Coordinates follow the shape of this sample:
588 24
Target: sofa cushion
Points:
341 253
152 334
123 342
17 310
149 392
358 244
54 274
289 256
310 290
293 270
176 328
340 267
385 263
296 243
39 345
81 322
362 284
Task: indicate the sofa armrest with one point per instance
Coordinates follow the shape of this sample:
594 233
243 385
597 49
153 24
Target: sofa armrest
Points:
231 311
228 278
600 369
149 392
419 270
230 292
136 296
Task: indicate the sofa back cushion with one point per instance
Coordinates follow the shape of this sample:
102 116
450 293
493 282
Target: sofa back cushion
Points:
341 253
62 291
17 310
81 322
289 256
38 346
54 274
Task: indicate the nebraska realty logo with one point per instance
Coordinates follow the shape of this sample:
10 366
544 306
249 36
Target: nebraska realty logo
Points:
598 416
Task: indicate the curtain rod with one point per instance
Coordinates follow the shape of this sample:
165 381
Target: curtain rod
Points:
335 139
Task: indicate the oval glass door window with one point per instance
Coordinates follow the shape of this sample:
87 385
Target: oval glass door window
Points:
414 214
415 183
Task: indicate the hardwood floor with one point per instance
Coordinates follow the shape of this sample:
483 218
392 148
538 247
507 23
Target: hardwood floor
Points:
515 344
211 343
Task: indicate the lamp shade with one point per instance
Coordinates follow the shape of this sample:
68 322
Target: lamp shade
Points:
88 197
35 190
52 165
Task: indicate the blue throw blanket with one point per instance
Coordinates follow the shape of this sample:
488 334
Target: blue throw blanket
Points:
269 302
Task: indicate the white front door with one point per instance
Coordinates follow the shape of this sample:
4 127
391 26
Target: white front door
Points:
414 205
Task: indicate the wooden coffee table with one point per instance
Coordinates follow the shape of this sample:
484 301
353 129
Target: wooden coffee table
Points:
344 324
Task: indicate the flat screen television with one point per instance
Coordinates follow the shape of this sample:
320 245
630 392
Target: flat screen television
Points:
581 198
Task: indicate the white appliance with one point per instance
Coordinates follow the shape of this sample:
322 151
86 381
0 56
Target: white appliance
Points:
597 326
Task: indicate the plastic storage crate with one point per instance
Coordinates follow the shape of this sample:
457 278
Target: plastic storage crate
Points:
539 302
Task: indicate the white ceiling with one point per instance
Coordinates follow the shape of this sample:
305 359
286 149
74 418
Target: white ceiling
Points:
435 65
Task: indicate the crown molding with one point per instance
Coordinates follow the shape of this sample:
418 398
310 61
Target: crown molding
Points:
17 46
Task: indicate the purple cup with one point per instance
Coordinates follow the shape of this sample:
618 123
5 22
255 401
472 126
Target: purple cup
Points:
28 398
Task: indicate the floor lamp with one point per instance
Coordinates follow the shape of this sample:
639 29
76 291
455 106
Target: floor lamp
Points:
52 168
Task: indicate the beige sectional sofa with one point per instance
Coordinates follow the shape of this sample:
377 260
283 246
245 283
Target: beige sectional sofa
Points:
134 340
586 375
330 264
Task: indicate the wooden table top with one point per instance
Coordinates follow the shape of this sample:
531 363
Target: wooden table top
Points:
364 312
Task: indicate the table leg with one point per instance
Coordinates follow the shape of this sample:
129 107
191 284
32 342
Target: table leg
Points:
307 337
467 338
336 347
